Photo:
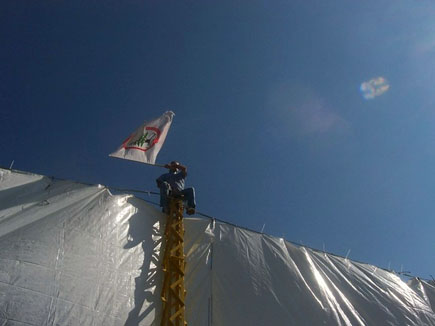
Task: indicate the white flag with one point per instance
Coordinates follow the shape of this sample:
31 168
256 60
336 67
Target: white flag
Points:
144 144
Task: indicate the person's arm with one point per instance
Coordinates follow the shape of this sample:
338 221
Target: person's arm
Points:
182 168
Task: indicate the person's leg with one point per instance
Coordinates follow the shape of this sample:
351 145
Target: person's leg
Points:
189 195
165 188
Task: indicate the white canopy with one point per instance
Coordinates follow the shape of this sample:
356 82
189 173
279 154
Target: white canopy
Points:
74 254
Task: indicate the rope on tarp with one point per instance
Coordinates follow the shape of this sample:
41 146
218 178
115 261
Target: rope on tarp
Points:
149 193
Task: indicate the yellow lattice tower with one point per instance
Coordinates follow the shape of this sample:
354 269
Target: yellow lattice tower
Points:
173 291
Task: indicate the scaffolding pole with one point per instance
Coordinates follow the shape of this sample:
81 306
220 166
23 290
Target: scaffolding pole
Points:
173 291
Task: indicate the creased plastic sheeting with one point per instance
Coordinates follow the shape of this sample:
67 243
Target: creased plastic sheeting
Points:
245 278
425 290
73 254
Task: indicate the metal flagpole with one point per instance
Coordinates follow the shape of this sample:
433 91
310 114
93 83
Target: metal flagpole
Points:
121 158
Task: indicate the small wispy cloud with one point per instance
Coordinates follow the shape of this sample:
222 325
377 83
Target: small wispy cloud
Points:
313 116
425 46
374 87
303 112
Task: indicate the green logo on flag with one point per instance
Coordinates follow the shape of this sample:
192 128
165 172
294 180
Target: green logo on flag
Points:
145 141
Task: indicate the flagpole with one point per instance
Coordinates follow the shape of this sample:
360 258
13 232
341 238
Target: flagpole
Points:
121 158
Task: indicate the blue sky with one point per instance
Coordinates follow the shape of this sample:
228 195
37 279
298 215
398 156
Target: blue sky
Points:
270 119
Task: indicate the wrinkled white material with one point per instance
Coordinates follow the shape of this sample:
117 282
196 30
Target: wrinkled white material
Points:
145 143
73 254
256 279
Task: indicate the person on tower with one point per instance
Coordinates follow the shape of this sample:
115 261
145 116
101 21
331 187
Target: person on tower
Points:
172 184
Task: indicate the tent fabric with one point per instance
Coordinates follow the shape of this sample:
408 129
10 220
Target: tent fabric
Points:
74 254
256 279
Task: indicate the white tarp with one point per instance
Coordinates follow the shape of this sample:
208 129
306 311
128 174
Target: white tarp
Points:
73 254
256 279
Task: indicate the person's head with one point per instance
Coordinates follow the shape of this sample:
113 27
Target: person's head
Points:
174 166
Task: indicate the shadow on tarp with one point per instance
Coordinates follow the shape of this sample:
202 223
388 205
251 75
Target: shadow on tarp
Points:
21 195
149 283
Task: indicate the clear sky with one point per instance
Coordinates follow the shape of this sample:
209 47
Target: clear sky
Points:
315 118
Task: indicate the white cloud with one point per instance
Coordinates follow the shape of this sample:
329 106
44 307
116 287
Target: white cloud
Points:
374 87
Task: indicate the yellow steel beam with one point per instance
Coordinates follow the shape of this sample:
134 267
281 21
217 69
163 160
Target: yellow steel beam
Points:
173 291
